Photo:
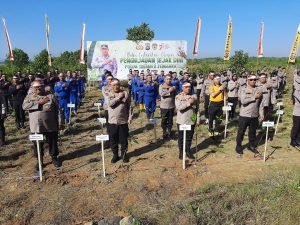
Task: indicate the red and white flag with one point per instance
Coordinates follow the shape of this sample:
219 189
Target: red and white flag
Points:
81 60
197 37
260 52
11 55
47 39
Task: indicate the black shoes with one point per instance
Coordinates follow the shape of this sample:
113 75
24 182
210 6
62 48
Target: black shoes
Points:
295 144
115 158
125 158
37 166
190 155
56 162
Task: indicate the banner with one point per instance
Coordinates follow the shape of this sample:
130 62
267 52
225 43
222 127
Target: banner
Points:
120 56
260 46
11 55
197 37
294 50
228 40
47 38
81 60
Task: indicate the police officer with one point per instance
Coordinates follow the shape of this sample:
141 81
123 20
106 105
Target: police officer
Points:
62 92
119 116
135 78
233 89
216 98
18 92
167 105
205 91
151 93
296 119
200 81
265 89
186 112
3 112
74 93
186 78
106 90
250 110
4 86
43 119
141 91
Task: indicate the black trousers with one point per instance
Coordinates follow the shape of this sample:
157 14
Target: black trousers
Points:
106 117
295 129
206 105
2 131
234 101
20 114
189 137
215 112
244 122
118 134
167 118
198 94
51 139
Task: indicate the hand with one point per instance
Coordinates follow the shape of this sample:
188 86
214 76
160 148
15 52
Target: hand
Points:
192 101
64 85
261 118
121 95
43 101
257 95
198 124
129 122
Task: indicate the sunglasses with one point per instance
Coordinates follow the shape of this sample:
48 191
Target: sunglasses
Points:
252 79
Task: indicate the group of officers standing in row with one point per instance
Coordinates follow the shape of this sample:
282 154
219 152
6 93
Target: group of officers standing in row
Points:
46 98
256 94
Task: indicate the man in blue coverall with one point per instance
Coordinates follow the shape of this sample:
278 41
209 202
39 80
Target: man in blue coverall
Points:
151 92
62 92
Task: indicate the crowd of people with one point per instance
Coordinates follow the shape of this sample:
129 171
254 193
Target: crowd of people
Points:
46 99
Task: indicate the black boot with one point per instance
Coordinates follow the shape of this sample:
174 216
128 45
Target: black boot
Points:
165 134
56 162
190 155
22 125
115 158
125 157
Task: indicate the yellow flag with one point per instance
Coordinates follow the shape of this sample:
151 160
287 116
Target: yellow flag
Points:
293 54
228 40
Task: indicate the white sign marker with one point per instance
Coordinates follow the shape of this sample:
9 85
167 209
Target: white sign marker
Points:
102 138
37 138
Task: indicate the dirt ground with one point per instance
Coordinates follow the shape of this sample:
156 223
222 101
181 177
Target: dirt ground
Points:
151 182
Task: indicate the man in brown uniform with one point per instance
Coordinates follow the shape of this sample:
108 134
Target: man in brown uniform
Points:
167 105
43 119
186 114
119 116
251 108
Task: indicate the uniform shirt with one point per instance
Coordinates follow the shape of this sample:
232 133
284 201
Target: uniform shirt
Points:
242 85
233 89
18 95
200 82
296 81
60 91
184 110
119 110
206 84
167 94
250 107
42 118
296 95
105 63
214 89
105 92
266 93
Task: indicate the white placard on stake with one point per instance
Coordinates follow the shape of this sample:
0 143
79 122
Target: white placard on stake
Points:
268 124
36 137
71 105
279 112
153 121
226 108
279 104
101 120
98 104
185 127
103 137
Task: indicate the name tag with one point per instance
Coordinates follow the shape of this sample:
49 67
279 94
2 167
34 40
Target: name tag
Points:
268 124
97 104
226 108
101 120
153 121
185 127
279 112
36 137
71 105
103 137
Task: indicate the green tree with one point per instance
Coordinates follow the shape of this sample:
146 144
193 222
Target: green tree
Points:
40 62
239 60
140 33
21 60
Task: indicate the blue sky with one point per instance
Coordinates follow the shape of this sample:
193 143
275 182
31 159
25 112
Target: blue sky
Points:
171 20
